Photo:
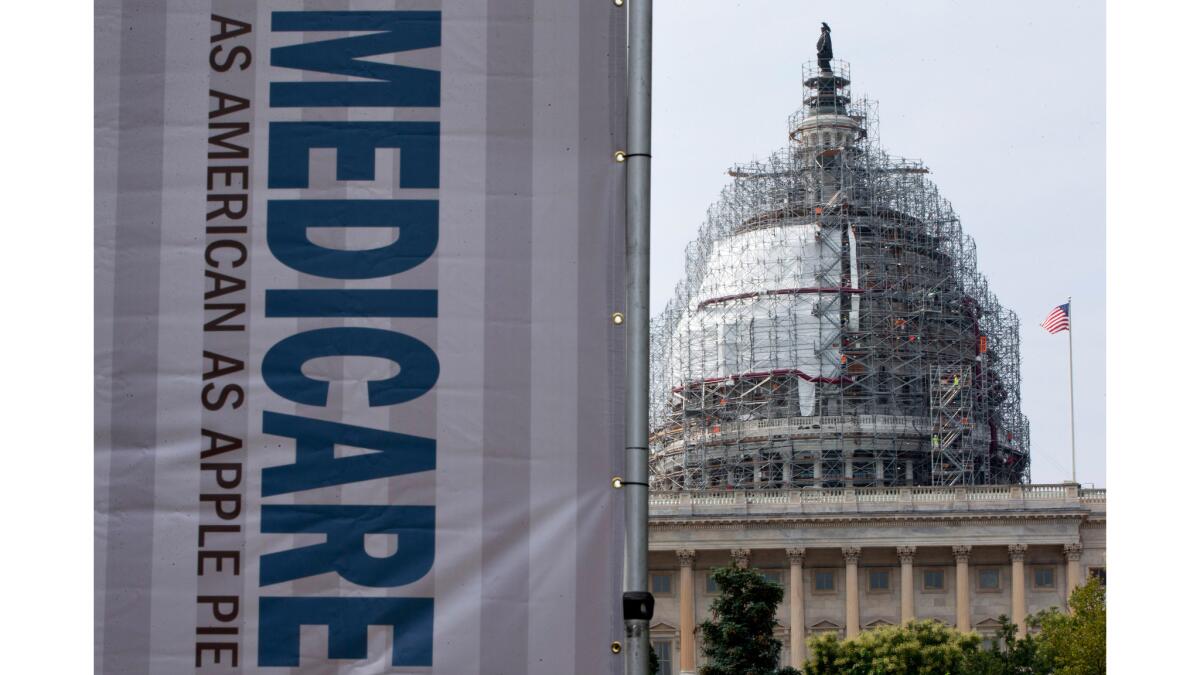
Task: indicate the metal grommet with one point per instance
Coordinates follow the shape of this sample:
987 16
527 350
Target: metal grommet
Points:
616 646
619 156
618 318
618 3
617 482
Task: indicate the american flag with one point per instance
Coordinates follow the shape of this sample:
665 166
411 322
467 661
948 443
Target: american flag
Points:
1059 319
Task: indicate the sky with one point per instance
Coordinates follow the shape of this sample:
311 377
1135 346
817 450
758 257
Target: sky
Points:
1004 102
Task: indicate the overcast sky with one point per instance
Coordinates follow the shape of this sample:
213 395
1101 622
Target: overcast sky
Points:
1003 101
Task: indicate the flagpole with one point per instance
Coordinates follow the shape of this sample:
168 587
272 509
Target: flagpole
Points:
1071 376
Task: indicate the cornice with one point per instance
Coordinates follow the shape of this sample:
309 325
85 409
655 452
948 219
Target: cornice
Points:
840 520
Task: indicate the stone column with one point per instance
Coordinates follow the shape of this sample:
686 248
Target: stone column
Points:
687 612
796 607
908 610
851 554
962 588
1073 552
1017 553
741 557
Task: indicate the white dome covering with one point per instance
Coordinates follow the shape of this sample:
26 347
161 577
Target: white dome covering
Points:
754 310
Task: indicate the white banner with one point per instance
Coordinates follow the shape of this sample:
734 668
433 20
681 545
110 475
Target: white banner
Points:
358 396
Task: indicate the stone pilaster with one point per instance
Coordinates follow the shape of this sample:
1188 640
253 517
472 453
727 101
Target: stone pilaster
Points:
796 619
962 588
1016 552
851 554
687 611
907 601
1072 552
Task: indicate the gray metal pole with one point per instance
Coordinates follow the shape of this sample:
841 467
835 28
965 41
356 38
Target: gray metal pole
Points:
637 295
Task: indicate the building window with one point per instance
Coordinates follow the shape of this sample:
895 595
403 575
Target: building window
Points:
1098 572
863 471
1043 578
989 579
933 580
773 577
823 581
802 473
660 584
663 648
710 585
879 581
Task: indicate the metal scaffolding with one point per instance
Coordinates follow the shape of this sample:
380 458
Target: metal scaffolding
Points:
832 328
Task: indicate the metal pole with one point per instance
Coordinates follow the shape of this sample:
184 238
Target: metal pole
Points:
637 289
1071 376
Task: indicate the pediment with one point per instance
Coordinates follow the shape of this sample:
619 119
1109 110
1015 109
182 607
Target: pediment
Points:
823 625
879 623
988 624
663 627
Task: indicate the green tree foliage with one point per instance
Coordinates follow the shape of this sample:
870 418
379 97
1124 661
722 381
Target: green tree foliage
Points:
654 663
1009 655
917 648
740 640
1074 644
1060 644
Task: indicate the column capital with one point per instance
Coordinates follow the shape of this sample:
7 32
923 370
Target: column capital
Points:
1017 552
686 556
851 554
795 556
906 554
1073 551
962 553
741 557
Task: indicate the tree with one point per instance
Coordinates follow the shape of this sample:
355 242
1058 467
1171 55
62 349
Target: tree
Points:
1065 644
1074 644
741 639
1009 654
917 648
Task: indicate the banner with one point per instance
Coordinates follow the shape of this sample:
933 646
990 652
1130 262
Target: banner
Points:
358 393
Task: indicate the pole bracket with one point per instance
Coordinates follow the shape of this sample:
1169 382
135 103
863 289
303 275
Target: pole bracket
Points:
637 606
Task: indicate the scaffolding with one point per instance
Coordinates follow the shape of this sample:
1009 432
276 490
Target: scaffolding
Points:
832 329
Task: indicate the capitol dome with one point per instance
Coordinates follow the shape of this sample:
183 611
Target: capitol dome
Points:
832 329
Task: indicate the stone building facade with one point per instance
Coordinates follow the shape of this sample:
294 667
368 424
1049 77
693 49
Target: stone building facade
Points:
852 559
